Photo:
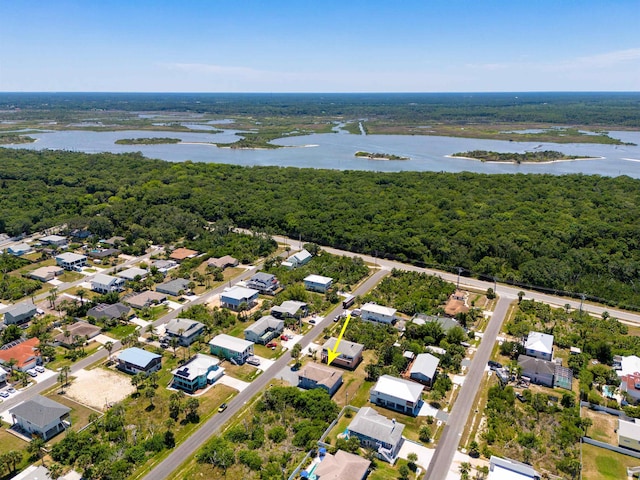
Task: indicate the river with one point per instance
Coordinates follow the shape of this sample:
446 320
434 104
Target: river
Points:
336 151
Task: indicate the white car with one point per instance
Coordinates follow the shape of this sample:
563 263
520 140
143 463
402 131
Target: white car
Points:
32 373
39 369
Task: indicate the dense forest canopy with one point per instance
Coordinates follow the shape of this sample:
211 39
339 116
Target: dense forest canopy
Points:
580 108
577 233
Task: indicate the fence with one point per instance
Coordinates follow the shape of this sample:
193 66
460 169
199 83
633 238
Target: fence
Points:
613 448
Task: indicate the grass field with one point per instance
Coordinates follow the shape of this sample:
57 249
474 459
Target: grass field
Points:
603 428
601 464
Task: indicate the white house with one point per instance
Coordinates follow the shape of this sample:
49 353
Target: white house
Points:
539 345
629 434
55 240
41 416
71 261
19 249
102 283
264 330
318 283
507 469
130 274
3 377
236 350
237 296
297 259
377 313
397 394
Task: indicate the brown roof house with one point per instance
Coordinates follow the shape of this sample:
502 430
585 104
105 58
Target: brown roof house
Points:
315 375
222 262
457 303
180 254
342 466
79 329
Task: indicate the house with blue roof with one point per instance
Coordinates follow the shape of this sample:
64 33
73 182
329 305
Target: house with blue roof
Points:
136 360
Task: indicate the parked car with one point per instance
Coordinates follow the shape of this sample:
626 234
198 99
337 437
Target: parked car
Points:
356 312
222 407
39 369
253 361
271 345
32 373
284 337
4 394
312 321
11 390
494 365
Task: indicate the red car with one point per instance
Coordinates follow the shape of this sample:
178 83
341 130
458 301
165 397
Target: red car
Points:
272 345
284 337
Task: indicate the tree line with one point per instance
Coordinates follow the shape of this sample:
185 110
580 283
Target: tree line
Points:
574 233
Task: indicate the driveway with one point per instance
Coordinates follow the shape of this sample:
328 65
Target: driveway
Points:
265 363
233 382
288 375
424 454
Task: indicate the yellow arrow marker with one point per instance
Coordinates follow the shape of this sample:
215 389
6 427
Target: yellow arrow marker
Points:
333 354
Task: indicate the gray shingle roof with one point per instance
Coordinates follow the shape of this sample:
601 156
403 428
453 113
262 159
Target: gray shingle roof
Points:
426 364
536 365
265 323
350 349
371 424
40 411
185 324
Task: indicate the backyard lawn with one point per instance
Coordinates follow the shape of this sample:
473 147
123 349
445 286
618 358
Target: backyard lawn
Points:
601 464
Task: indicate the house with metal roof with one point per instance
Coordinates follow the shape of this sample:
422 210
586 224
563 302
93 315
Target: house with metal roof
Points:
264 330
200 371
236 296
350 353
446 323
44 274
26 353
33 472
315 375
424 368
185 330
342 466
41 416
19 249
103 253
373 312
507 469
297 259
175 287
19 313
290 309
234 349
378 433
103 283
265 283
130 274
397 394
318 283
56 240
136 360
539 345
71 261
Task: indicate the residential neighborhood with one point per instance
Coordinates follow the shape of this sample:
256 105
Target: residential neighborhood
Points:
213 344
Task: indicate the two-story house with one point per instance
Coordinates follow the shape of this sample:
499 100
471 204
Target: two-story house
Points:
397 394
265 283
373 312
102 283
539 345
184 329
350 353
264 330
378 433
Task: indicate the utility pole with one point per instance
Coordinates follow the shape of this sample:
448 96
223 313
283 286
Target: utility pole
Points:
458 283
582 297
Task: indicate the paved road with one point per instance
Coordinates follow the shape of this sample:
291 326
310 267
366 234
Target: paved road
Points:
166 468
450 439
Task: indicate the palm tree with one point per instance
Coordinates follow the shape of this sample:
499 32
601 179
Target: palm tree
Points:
11 363
81 293
109 347
150 393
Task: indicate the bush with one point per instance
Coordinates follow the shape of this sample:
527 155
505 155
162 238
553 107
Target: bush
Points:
277 434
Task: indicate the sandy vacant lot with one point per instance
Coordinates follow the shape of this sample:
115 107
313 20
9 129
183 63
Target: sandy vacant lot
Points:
99 387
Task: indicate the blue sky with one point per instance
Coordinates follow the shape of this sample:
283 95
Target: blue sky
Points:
319 46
